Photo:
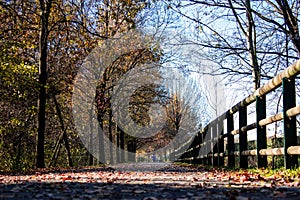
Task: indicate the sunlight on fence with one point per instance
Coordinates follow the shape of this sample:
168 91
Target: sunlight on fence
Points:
225 146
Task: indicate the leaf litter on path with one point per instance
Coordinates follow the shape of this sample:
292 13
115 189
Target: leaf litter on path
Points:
171 182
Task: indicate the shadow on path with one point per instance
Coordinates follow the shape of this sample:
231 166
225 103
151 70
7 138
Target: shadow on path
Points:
169 182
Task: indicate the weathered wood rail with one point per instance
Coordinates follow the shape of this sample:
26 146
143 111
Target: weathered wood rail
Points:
215 150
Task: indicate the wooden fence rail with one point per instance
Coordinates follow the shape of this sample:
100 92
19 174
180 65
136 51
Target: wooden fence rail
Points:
208 146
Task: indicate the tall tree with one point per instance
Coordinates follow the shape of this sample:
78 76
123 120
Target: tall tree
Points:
45 8
55 37
251 39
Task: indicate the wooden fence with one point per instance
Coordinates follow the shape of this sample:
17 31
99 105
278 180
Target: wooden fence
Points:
192 152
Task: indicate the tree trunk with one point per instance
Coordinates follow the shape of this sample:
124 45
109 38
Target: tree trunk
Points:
131 148
111 158
45 7
292 23
91 157
55 152
101 140
122 144
118 145
64 134
251 39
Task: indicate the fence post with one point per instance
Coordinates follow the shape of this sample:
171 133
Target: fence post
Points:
230 140
220 142
204 158
243 137
214 142
209 145
261 141
193 145
200 160
205 146
290 134
196 150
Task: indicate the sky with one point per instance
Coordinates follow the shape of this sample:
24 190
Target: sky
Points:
173 31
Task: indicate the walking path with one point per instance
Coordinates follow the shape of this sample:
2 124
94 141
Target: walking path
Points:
141 182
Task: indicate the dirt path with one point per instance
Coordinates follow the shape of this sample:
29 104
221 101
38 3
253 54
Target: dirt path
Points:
170 182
